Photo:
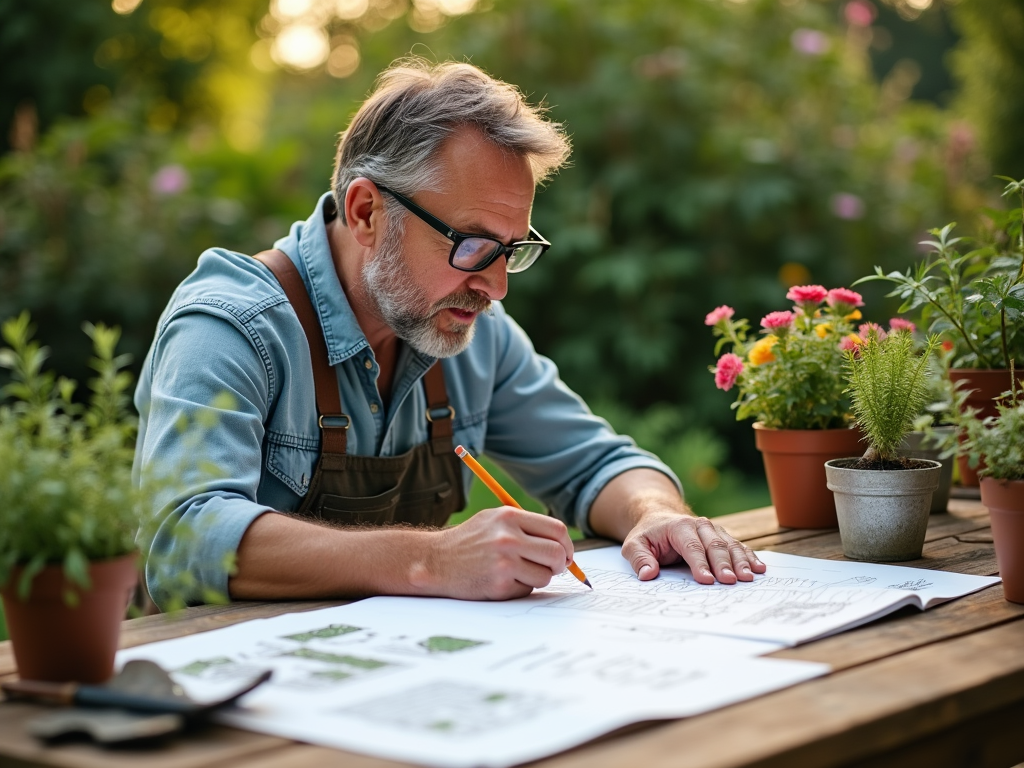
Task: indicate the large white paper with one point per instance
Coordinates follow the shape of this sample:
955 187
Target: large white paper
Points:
799 599
459 684
448 688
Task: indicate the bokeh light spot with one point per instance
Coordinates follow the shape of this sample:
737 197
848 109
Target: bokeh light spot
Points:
301 46
343 61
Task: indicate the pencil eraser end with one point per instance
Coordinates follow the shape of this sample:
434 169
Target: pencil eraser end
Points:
460 451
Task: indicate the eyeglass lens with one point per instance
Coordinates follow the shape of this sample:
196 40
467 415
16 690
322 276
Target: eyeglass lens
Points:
476 252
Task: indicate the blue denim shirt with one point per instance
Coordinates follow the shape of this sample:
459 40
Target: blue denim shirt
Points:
229 328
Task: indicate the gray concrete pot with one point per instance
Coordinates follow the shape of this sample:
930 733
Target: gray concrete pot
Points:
917 445
883 514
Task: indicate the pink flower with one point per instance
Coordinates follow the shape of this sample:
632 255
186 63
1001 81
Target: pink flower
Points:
729 368
899 324
807 294
169 180
860 13
777 321
719 314
843 300
850 343
847 206
866 329
810 42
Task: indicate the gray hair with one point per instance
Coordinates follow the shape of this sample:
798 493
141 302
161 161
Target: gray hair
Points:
395 136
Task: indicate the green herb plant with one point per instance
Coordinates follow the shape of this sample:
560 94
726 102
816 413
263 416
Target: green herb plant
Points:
888 387
975 298
65 467
999 439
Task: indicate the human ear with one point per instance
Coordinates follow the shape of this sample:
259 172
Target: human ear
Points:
364 210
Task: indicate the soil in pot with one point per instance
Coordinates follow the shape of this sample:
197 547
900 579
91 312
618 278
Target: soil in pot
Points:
1005 502
794 463
883 508
53 641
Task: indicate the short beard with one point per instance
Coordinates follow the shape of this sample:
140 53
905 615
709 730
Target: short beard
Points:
403 306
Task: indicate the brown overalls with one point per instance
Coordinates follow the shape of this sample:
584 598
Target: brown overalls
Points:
421 487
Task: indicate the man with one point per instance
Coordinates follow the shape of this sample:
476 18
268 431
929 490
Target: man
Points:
369 344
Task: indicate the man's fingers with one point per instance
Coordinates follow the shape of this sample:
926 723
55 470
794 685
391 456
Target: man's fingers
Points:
717 550
545 527
686 541
641 559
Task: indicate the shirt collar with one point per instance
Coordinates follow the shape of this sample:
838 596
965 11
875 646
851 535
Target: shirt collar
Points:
307 245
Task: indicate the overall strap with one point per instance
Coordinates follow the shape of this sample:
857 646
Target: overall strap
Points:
439 411
333 422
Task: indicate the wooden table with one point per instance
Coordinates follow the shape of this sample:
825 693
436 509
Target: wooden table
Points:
938 688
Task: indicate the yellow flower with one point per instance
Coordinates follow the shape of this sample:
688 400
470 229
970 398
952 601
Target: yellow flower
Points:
855 315
822 329
761 352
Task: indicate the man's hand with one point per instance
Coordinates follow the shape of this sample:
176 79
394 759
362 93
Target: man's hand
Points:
495 555
664 538
642 509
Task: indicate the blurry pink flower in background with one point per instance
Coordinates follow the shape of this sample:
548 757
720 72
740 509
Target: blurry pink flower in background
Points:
729 368
899 324
860 13
169 180
850 343
810 42
807 294
719 314
845 298
866 329
847 206
778 321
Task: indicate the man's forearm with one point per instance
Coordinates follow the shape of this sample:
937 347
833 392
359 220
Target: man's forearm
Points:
627 497
283 557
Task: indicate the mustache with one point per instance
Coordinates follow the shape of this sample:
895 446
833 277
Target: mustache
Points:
464 300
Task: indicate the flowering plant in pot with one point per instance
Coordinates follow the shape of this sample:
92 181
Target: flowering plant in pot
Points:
790 380
68 557
975 300
1000 439
883 499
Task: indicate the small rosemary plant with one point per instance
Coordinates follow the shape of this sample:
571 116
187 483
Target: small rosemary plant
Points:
889 389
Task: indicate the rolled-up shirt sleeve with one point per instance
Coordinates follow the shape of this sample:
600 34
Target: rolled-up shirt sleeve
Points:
547 439
199 451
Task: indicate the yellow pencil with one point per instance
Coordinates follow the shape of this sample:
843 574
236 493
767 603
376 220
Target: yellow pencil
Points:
506 499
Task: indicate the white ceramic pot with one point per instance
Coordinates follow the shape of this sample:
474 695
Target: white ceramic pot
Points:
883 514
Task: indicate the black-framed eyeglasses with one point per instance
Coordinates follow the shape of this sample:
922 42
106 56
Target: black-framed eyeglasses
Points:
473 253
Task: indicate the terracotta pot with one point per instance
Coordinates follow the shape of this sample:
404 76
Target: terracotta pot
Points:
1005 502
55 642
985 386
883 514
794 461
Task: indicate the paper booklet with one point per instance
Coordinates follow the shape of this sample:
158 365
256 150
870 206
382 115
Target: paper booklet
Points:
461 684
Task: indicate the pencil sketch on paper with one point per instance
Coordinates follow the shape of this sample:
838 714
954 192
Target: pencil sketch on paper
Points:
619 668
914 585
218 669
452 708
324 633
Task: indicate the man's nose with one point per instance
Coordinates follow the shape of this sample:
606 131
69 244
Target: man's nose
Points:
493 281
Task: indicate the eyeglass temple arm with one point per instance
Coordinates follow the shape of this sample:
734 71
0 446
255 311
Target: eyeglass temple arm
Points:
429 218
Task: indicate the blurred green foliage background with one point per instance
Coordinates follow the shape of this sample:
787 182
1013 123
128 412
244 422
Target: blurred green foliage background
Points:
724 150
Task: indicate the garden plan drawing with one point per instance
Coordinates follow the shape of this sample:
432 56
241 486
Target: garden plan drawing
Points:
461 684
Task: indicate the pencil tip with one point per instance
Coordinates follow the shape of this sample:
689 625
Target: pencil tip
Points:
587 582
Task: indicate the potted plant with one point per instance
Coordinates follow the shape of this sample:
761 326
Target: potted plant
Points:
975 301
1000 439
883 499
68 559
790 380
934 435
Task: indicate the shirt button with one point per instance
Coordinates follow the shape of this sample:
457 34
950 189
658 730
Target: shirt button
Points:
373 408
367 363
